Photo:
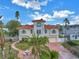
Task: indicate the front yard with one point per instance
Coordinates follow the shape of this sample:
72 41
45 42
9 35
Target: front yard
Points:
7 54
24 46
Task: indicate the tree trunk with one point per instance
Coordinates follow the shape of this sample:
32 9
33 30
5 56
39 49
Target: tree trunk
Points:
15 54
35 57
2 53
65 40
9 53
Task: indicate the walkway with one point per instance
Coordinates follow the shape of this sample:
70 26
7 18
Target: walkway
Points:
21 53
64 53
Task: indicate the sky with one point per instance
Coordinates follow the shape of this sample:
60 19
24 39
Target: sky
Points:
53 11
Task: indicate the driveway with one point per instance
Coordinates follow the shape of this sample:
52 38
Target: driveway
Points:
64 53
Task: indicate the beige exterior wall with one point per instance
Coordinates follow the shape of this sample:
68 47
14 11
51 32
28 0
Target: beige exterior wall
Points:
24 35
48 34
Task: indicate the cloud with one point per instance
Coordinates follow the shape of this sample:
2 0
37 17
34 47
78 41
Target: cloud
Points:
4 7
62 13
75 20
30 23
56 15
38 16
35 5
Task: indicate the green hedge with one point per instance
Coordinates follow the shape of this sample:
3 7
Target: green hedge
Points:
53 54
61 36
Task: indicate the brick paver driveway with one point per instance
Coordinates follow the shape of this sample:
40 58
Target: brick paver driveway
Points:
64 53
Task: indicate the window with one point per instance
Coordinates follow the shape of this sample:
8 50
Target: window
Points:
72 35
38 24
45 31
75 36
38 32
53 31
31 31
23 31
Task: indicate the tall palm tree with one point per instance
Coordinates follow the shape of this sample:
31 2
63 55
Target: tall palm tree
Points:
66 25
2 39
17 15
66 21
38 45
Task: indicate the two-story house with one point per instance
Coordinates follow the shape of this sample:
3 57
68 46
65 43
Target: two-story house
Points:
38 28
71 32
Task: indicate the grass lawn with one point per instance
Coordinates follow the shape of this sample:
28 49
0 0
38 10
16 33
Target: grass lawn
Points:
7 51
76 41
22 45
72 46
72 43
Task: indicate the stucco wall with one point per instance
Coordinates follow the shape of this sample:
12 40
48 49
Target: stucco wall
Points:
48 34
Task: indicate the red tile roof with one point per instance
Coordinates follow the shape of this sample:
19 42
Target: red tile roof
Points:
50 27
45 26
27 27
40 20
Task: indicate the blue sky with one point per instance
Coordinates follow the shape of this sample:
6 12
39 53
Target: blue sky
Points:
53 11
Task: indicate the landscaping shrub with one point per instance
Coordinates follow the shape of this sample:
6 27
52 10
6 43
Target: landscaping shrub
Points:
54 55
61 36
71 43
12 57
44 55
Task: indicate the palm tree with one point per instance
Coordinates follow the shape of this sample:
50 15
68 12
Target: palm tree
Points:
66 21
17 15
2 39
66 24
38 45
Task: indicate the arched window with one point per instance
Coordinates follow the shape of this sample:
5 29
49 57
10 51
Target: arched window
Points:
53 31
45 31
38 24
24 31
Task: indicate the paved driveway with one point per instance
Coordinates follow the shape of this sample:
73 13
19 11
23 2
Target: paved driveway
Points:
64 53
